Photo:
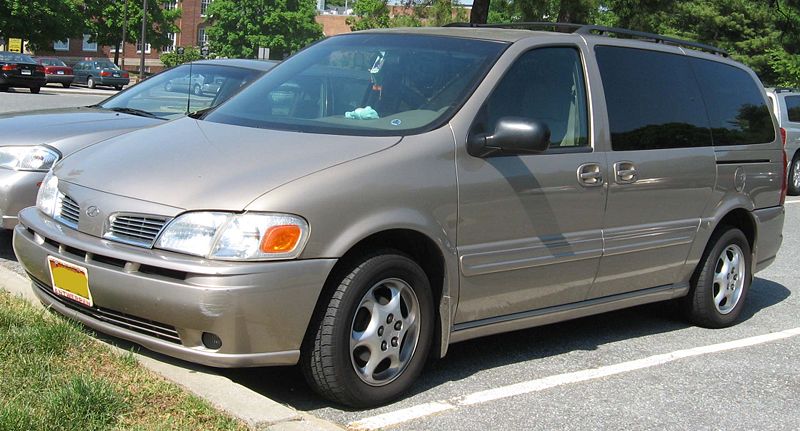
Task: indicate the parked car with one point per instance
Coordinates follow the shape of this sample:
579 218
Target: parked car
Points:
56 71
785 103
186 83
100 72
19 70
380 195
33 141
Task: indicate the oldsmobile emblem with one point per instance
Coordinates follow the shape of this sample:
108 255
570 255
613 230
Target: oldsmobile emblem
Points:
92 211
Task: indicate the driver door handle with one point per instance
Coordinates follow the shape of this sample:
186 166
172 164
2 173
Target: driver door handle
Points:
590 175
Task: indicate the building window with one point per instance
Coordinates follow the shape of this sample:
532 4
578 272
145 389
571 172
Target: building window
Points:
89 46
171 5
61 45
204 4
202 37
173 37
139 48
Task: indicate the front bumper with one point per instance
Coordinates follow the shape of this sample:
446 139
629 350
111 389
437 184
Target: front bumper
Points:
18 190
165 301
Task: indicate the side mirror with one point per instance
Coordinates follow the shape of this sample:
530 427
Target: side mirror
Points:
512 135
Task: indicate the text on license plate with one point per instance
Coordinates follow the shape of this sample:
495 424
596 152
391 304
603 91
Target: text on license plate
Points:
70 281
26 72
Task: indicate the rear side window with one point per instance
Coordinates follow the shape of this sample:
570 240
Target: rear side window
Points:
793 108
653 100
736 107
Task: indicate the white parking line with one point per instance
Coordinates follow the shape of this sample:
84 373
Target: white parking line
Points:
427 409
787 202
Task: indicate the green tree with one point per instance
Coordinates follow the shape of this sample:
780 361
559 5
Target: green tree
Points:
369 14
106 19
172 59
40 22
240 28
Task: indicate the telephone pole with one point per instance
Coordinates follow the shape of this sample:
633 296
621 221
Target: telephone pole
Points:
143 39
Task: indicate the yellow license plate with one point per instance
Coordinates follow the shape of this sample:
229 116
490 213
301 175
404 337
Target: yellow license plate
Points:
70 281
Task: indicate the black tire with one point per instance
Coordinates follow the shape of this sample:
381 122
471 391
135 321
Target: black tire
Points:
90 83
700 304
328 362
118 87
66 84
35 90
3 88
793 187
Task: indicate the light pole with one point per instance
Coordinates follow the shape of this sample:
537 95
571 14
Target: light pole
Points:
143 39
124 29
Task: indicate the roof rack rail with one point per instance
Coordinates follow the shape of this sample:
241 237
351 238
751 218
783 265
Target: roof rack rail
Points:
590 29
786 90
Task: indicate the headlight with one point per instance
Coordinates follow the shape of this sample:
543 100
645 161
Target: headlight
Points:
36 158
226 236
47 198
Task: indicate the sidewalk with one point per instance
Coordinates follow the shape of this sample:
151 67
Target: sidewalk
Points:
256 410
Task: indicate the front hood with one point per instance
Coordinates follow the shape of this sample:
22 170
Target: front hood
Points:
200 165
59 128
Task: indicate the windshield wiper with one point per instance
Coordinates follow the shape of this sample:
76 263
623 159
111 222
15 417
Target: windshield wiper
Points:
134 111
199 113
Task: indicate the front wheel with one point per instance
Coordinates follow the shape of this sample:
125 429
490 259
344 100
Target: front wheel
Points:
66 84
370 342
721 282
35 90
90 83
794 176
118 87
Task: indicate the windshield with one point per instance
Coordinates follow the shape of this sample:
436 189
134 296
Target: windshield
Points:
365 84
183 89
51 62
15 58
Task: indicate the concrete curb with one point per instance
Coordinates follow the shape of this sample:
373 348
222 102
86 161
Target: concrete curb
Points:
79 91
256 410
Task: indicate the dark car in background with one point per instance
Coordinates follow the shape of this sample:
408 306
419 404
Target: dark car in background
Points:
56 71
100 72
33 141
19 70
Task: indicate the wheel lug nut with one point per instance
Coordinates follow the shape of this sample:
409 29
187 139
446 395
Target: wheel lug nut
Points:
383 345
398 325
389 318
380 331
394 342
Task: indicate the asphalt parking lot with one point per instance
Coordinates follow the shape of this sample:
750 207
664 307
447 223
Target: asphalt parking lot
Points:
641 368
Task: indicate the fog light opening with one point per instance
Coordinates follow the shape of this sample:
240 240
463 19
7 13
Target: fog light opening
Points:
211 341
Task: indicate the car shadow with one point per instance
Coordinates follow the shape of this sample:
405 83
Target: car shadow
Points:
6 250
286 384
26 91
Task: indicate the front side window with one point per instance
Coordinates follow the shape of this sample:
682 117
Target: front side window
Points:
365 84
793 108
546 85
736 107
653 100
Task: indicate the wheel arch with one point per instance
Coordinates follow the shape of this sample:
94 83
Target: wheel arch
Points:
416 245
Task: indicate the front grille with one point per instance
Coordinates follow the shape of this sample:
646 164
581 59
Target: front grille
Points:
141 230
140 325
69 211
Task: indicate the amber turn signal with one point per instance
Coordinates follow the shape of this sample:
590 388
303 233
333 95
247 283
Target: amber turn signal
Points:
281 239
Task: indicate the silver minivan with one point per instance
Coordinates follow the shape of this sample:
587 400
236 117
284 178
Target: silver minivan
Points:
785 104
383 194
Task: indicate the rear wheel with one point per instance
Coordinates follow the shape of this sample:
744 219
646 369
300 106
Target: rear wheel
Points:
370 342
66 84
721 282
90 82
118 87
35 90
794 176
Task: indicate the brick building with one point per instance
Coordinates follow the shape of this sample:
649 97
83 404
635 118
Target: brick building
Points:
192 26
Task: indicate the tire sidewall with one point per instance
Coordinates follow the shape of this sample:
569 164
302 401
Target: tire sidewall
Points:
374 270
791 189
705 282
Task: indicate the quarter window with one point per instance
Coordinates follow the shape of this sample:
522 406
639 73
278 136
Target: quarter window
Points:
736 107
653 100
793 108
546 85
